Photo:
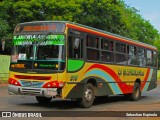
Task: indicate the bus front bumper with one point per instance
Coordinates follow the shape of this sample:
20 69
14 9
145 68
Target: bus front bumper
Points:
19 90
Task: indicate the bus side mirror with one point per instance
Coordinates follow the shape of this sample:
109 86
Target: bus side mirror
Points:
76 43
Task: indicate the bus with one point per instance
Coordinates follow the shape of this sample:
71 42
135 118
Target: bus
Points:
67 60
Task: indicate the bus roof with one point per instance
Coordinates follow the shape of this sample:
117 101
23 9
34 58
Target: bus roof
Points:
98 32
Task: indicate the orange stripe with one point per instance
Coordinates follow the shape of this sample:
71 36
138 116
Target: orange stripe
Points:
145 79
122 85
106 35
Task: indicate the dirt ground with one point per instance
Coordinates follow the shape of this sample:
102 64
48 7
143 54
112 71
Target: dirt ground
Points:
150 102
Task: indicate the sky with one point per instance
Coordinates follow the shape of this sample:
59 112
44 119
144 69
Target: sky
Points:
148 9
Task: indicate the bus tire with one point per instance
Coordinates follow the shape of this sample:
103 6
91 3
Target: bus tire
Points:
88 96
43 100
136 95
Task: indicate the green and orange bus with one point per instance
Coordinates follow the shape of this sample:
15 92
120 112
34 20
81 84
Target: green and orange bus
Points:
72 61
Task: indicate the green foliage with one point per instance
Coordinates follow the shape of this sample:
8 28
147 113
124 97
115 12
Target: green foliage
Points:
138 28
157 42
5 34
110 15
4 28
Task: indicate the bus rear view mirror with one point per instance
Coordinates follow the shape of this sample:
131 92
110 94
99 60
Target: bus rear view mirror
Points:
76 43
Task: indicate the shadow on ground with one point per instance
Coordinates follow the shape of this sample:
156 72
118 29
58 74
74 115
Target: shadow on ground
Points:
72 105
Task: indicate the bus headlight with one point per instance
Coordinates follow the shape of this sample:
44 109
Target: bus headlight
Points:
14 82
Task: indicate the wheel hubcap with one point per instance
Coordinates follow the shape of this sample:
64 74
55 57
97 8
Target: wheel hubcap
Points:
88 95
137 92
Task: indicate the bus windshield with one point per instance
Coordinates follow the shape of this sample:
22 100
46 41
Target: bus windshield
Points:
42 52
50 52
39 52
24 51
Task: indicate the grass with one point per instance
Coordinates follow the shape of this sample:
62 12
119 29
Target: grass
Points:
3 79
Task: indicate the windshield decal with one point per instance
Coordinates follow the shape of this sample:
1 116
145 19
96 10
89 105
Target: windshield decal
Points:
38 39
22 56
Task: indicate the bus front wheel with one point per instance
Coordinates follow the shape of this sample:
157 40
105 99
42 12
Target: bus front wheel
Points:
43 100
88 96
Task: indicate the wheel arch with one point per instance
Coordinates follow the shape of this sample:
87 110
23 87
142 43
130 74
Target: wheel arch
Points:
138 80
93 81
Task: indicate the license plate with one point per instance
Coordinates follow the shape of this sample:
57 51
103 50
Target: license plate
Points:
52 91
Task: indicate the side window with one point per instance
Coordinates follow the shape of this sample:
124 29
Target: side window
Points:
141 57
107 47
92 41
75 47
120 47
105 44
121 53
132 57
155 59
149 58
92 47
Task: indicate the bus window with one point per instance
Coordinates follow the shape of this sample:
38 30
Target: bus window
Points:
121 59
76 43
24 52
107 56
92 54
92 48
120 47
132 60
105 44
107 48
49 52
141 57
149 58
155 58
121 53
75 47
92 41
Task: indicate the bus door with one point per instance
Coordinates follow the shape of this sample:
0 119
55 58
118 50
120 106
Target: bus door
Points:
75 60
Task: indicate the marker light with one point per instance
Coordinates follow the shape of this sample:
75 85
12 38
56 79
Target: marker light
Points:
53 84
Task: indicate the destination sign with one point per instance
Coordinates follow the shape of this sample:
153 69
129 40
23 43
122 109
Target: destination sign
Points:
38 39
39 27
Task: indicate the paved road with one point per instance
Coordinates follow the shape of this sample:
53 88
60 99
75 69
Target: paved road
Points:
150 101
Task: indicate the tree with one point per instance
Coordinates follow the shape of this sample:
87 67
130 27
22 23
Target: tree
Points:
4 35
109 15
137 27
4 28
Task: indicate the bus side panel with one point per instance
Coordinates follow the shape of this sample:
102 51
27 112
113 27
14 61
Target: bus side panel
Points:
153 82
102 88
110 79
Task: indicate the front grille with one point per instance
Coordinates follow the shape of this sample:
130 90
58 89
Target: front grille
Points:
33 84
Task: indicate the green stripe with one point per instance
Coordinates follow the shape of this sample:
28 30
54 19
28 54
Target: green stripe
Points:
74 65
